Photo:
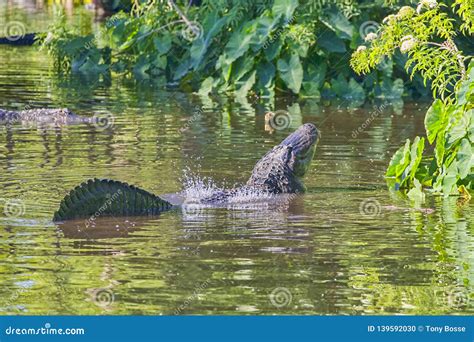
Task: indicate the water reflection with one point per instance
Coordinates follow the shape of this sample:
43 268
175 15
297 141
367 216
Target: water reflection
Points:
325 252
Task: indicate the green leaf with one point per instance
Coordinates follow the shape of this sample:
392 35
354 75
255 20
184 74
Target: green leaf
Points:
347 90
416 153
450 179
241 67
206 86
389 89
330 42
458 127
246 85
238 43
416 193
435 120
291 72
284 8
273 49
265 74
440 148
465 158
338 23
201 45
399 161
162 43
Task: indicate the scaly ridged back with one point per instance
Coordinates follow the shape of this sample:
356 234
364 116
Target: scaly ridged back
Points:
103 197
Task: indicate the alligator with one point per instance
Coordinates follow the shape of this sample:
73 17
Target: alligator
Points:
279 171
56 116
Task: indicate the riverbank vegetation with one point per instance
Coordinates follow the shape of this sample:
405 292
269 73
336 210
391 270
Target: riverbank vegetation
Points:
427 34
304 49
239 47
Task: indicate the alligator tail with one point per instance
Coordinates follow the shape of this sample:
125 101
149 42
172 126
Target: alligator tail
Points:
104 197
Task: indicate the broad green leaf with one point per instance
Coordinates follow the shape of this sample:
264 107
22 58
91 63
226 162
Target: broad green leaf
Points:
265 74
239 43
245 85
416 152
262 36
434 120
440 148
399 161
347 90
313 80
465 159
416 193
338 23
330 42
206 86
389 89
241 67
200 46
450 179
458 127
272 49
291 72
284 8
162 43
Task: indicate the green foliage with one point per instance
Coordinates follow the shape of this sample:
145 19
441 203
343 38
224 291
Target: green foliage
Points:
73 50
240 47
450 127
427 36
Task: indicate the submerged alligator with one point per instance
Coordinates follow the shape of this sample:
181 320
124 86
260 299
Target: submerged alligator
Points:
58 116
279 171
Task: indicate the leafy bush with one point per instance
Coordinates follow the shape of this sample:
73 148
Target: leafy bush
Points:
235 46
427 35
450 126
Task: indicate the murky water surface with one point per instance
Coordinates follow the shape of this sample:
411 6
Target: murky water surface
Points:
348 246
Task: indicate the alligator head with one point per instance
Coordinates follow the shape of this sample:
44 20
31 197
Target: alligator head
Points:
281 169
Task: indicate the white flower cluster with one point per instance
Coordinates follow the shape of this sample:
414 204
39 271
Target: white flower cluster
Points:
426 3
370 36
408 43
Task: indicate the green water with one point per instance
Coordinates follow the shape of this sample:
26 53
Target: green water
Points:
348 246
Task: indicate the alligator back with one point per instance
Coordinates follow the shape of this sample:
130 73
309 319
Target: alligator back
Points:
103 197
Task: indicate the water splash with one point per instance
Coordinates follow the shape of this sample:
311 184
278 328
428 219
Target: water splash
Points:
197 188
